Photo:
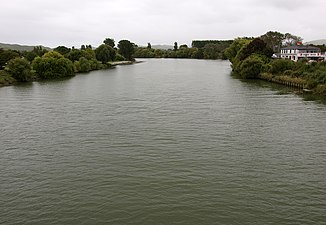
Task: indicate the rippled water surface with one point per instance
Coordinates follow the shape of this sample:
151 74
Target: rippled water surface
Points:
160 142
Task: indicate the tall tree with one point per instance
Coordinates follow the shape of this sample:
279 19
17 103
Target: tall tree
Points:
149 46
273 40
109 42
126 49
290 39
175 46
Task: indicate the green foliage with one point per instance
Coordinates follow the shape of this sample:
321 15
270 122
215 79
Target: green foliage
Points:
256 46
6 55
251 67
110 42
30 56
279 66
62 50
39 50
6 78
84 65
53 65
119 57
88 53
274 40
105 53
232 51
20 69
74 55
214 51
126 49
149 46
202 44
175 47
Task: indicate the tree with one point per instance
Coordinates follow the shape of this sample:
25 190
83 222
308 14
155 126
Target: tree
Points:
232 51
110 42
273 40
29 55
6 55
175 47
74 54
105 53
83 47
20 69
126 49
62 50
39 50
183 46
251 67
257 46
290 39
85 65
53 65
149 46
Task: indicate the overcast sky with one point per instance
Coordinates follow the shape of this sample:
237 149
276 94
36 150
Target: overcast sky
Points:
75 22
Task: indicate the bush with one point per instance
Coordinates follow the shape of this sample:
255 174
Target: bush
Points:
279 66
119 57
251 67
6 78
20 69
53 65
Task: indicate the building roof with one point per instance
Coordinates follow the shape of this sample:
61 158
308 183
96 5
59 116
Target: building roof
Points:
301 47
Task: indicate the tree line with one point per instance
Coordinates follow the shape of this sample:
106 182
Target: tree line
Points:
38 64
212 49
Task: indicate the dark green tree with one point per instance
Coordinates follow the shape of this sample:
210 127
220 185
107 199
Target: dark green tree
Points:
105 53
110 42
175 47
6 55
149 46
74 55
83 47
126 49
62 50
39 50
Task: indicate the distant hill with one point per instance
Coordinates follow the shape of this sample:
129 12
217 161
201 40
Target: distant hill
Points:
317 42
19 47
164 47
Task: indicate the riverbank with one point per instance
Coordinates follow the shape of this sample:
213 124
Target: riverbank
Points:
294 82
7 80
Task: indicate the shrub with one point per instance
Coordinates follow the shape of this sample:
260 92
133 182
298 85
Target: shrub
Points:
251 67
281 65
53 65
20 69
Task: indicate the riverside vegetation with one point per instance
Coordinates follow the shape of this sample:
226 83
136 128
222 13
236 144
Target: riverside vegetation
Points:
251 59
40 64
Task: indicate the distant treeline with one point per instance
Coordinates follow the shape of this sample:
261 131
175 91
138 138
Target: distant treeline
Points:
210 49
38 64
202 43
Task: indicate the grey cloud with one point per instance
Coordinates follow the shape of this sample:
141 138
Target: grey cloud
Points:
76 22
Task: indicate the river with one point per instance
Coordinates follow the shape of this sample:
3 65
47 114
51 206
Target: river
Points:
165 141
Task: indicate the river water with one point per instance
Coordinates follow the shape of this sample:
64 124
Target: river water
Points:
161 142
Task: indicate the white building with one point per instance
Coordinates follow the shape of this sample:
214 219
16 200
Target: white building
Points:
298 52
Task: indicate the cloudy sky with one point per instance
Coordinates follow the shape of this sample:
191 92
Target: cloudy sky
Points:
75 22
